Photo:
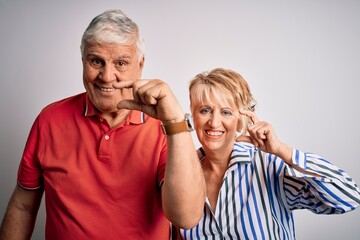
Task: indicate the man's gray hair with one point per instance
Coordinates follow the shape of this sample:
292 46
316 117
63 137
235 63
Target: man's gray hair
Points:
113 27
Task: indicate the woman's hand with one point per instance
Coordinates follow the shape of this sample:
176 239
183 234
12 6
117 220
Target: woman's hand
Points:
263 136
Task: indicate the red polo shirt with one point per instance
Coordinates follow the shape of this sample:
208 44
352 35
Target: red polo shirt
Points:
99 183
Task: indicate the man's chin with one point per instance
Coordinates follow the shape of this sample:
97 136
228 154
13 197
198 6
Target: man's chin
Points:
106 108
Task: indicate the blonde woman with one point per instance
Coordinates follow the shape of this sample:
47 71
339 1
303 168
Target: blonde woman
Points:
254 185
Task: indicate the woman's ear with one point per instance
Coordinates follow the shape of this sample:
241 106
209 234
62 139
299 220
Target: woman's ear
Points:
240 134
240 128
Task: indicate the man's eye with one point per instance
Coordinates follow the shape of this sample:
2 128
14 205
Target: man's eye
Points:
120 65
96 63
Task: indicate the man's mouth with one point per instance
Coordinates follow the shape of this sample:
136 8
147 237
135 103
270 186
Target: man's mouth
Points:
106 89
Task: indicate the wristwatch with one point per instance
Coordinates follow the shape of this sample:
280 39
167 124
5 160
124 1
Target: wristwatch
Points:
174 128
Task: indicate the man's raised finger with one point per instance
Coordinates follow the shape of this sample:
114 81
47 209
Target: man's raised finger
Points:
123 84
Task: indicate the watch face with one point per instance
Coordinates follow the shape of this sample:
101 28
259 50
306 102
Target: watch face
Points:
189 121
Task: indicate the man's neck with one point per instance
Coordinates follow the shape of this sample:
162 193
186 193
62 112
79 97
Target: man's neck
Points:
115 118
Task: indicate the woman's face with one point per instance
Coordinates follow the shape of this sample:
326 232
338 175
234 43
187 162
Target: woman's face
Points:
215 125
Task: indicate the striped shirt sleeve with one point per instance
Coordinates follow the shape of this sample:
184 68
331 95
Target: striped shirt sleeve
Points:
332 192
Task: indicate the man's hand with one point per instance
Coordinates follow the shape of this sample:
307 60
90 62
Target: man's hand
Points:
153 97
183 189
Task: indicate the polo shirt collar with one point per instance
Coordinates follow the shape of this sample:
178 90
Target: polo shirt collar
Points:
134 117
90 109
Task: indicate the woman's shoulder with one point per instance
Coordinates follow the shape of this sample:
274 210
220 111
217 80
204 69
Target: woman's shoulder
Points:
244 146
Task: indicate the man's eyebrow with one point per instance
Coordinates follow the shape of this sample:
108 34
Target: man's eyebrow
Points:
123 56
93 53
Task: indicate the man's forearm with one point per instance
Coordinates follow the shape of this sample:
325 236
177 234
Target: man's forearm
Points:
20 216
184 190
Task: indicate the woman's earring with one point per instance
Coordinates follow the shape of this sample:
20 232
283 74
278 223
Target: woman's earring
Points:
238 134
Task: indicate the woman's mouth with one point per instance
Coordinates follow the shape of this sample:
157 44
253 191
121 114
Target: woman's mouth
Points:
214 133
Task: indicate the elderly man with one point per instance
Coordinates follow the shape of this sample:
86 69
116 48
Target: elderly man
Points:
109 172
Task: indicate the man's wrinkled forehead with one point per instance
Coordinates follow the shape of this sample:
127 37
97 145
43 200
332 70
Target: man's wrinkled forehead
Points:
112 55
127 52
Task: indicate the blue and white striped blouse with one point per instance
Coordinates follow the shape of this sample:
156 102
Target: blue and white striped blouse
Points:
259 192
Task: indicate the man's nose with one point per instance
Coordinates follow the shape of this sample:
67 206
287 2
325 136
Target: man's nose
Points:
108 73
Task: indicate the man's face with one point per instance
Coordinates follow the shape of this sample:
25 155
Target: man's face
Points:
104 65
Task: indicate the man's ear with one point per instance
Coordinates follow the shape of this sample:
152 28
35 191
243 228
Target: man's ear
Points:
141 63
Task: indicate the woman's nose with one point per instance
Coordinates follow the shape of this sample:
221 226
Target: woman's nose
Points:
214 120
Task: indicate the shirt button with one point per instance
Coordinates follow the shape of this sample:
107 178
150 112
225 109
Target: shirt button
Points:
101 119
107 137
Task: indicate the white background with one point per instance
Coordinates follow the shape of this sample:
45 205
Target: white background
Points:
301 59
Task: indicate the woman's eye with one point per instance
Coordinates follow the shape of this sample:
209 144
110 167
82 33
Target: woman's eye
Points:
227 112
205 110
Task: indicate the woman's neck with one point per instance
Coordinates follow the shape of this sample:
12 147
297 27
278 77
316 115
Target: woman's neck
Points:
216 161
214 167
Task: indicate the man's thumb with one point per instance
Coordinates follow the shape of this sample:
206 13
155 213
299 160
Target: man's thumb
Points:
129 104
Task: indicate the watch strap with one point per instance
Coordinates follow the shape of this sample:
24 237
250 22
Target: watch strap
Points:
174 128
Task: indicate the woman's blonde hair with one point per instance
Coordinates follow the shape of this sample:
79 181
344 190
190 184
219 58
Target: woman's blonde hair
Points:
225 86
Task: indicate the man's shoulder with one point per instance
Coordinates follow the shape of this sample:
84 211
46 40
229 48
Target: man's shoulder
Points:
74 100
67 105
